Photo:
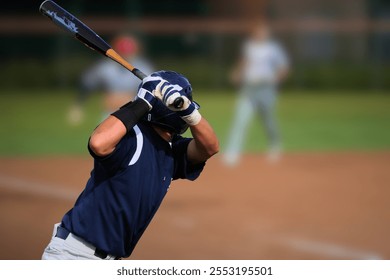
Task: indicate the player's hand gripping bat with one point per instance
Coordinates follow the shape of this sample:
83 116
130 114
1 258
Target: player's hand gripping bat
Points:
82 32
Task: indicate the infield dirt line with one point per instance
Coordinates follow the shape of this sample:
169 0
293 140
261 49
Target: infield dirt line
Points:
301 244
37 188
328 249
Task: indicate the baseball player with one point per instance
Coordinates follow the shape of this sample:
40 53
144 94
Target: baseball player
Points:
264 65
137 151
112 78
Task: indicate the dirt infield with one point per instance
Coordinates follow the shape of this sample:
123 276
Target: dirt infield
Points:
308 206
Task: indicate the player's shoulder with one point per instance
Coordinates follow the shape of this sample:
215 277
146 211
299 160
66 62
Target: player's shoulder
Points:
178 142
143 127
177 138
149 135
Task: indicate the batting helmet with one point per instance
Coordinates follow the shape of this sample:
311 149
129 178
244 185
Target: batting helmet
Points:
163 117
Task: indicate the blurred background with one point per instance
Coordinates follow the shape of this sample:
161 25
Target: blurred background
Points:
338 52
324 199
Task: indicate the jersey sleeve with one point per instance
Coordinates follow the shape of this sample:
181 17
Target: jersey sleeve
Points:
183 169
114 161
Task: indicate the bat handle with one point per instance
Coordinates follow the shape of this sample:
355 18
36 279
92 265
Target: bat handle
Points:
178 103
138 73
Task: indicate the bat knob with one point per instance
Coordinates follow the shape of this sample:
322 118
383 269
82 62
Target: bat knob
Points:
178 103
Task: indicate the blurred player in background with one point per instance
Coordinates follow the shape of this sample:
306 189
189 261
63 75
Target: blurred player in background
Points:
118 84
262 67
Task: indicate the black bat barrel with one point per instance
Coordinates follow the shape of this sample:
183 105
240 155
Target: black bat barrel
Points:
86 35
70 23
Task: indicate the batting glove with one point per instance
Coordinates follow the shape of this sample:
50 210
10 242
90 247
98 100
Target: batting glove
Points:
168 93
147 90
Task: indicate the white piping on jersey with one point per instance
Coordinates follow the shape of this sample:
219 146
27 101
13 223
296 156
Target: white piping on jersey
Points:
140 143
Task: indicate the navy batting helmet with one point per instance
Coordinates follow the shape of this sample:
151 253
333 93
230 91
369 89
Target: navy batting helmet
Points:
163 117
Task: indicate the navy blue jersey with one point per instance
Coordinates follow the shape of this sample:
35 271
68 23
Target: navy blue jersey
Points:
126 188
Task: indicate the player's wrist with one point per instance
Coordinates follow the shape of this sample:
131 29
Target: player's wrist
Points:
191 118
130 113
188 112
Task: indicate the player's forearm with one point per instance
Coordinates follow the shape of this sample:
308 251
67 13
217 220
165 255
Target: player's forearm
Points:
205 143
106 136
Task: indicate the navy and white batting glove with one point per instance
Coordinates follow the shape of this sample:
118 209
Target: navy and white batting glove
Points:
147 90
168 93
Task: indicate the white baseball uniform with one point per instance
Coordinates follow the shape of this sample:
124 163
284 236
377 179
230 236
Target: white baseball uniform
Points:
263 61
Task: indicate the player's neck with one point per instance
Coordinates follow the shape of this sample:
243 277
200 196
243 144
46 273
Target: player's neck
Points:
167 136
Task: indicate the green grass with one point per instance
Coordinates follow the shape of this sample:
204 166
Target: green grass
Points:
314 121
34 123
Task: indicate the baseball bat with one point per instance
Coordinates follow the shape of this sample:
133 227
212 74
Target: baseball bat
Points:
90 38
